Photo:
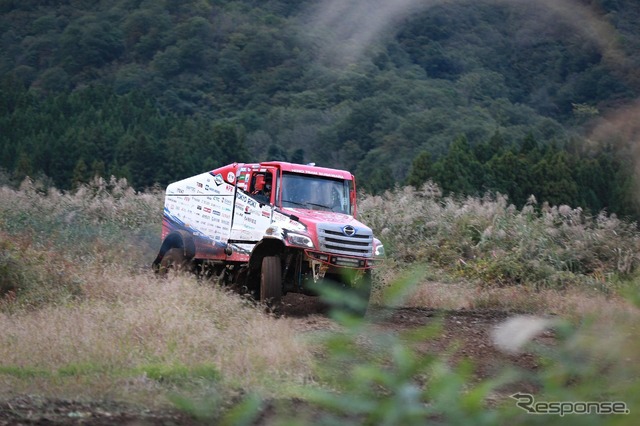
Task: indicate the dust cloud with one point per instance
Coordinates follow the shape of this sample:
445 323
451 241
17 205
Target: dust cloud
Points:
345 31
620 128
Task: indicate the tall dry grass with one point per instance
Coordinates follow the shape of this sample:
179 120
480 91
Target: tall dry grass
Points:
106 218
82 315
81 312
49 238
493 243
128 328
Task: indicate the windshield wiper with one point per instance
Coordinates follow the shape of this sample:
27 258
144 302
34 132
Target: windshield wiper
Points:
320 205
294 202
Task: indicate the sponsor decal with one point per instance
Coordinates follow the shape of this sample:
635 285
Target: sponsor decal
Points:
218 179
266 214
245 235
316 173
279 217
198 184
207 210
231 177
199 207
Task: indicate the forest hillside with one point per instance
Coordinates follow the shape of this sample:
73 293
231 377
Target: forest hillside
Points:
517 97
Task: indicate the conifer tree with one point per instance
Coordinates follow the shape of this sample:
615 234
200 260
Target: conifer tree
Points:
80 174
459 171
421 170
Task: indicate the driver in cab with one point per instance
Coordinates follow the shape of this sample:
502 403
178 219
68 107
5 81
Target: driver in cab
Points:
261 189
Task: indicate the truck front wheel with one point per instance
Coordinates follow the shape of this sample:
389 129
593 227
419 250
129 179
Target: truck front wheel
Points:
271 280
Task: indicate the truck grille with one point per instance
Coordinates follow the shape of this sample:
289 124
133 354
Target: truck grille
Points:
333 240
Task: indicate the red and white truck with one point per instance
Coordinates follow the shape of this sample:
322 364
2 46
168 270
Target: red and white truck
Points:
269 228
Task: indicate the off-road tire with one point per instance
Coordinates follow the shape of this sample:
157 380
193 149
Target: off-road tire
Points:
271 280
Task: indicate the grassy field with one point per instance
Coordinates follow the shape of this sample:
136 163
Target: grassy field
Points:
82 316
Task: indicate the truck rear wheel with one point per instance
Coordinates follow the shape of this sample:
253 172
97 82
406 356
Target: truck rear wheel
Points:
271 280
175 260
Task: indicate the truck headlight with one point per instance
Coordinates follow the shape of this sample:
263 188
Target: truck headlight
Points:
285 234
299 240
379 249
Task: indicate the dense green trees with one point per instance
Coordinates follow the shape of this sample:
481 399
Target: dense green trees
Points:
72 136
550 175
476 95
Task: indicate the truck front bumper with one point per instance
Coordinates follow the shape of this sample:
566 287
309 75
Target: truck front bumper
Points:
342 261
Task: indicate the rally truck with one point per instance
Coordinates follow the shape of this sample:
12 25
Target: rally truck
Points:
269 228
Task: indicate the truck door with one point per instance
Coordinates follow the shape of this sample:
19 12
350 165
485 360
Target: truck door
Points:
253 207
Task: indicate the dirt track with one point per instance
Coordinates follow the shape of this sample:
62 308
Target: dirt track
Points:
468 330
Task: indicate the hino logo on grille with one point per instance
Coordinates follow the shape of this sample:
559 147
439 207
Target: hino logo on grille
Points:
349 231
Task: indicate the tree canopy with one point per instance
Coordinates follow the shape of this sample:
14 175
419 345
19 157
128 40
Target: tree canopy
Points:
474 95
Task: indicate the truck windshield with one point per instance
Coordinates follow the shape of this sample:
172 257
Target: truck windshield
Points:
315 193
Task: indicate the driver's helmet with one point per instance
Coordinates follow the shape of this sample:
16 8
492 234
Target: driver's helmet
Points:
259 183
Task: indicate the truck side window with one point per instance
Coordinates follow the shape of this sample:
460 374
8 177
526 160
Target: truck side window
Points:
261 187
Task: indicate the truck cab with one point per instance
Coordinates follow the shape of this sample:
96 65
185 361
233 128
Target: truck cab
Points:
269 228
